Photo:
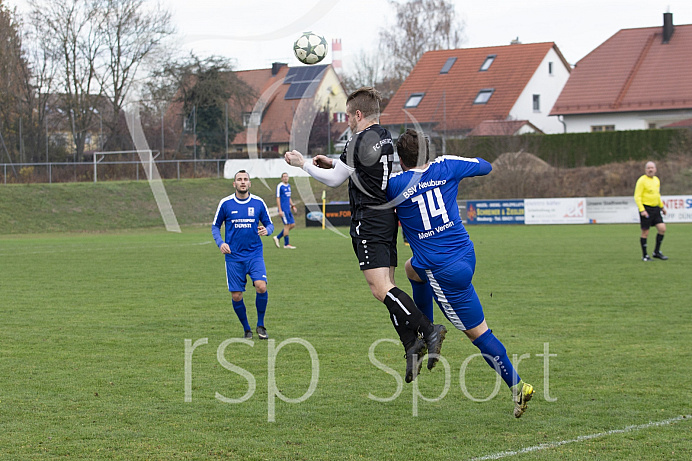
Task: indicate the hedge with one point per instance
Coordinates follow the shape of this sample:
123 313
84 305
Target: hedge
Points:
571 150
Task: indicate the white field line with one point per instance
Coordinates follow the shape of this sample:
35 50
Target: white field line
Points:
582 438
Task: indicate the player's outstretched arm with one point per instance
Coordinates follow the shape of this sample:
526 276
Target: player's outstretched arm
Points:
322 161
331 177
294 158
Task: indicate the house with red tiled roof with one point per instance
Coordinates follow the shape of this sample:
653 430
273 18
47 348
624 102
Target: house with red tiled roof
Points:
452 92
687 123
283 114
504 128
637 79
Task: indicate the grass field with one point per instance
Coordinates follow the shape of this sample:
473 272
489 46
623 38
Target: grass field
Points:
93 357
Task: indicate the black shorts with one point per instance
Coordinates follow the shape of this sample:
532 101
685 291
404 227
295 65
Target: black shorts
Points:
374 240
653 219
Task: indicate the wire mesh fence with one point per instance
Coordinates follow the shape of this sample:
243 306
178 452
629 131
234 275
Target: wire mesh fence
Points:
57 172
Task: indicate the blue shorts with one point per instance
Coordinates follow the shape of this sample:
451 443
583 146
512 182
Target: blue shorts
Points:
288 217
454 291
237 272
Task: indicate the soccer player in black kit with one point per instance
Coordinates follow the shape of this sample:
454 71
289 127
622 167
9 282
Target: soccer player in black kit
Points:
367 162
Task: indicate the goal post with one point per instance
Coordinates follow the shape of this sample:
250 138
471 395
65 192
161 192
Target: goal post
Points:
152 154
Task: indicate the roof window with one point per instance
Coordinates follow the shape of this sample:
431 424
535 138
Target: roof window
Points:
483 96
488 61
448 65
414 100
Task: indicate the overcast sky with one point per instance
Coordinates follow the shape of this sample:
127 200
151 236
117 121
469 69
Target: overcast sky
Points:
258 32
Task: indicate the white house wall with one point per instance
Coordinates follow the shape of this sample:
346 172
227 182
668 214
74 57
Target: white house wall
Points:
548 87
623 121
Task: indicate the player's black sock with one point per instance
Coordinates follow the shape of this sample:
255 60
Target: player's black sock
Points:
404 312
642 242
659 239
406 335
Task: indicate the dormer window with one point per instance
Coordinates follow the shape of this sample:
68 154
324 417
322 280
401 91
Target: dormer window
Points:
413 100
487 63
483 96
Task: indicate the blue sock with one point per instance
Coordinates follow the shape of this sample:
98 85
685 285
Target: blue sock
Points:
281 234
285 240
423 297
239 308
261 304
496 355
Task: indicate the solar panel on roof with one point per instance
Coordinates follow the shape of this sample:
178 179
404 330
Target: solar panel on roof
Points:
303 81
301 90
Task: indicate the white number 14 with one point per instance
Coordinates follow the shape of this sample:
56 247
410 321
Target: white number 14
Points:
431 210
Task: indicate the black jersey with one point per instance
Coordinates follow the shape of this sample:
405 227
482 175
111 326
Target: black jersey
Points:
371 153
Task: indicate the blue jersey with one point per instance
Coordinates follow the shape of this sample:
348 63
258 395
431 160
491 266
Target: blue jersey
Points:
241 218
283 193
426 203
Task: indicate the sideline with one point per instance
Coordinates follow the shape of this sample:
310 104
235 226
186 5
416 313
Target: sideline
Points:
582 438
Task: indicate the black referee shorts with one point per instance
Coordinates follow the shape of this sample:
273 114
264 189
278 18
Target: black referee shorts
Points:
374 240
653 219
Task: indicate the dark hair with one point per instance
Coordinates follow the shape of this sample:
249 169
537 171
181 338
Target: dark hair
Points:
241 171
365 99
411 152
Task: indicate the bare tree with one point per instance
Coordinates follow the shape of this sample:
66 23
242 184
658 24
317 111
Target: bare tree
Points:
421 25
130 32
73 32
41 81
369 69
96 47
13 70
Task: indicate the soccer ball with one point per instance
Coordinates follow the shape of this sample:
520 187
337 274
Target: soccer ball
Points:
310 48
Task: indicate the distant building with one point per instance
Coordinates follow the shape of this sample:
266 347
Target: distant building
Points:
637 79
504 128
283 91
451 93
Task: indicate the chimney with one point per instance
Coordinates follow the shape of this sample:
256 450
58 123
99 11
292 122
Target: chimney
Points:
276 67
668 27
336 55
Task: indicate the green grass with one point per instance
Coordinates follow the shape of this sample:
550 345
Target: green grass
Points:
123 205
92 350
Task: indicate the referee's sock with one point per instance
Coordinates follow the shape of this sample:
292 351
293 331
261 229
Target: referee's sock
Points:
408 320
261 300
239 308
659 239
495 354
642 242
423 297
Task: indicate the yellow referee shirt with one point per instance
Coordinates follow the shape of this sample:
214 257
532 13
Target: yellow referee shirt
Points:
648 192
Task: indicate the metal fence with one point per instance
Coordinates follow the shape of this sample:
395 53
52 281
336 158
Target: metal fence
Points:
57 172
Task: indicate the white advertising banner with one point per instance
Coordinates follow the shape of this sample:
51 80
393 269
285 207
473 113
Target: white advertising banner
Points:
679 208
555 211
611 210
